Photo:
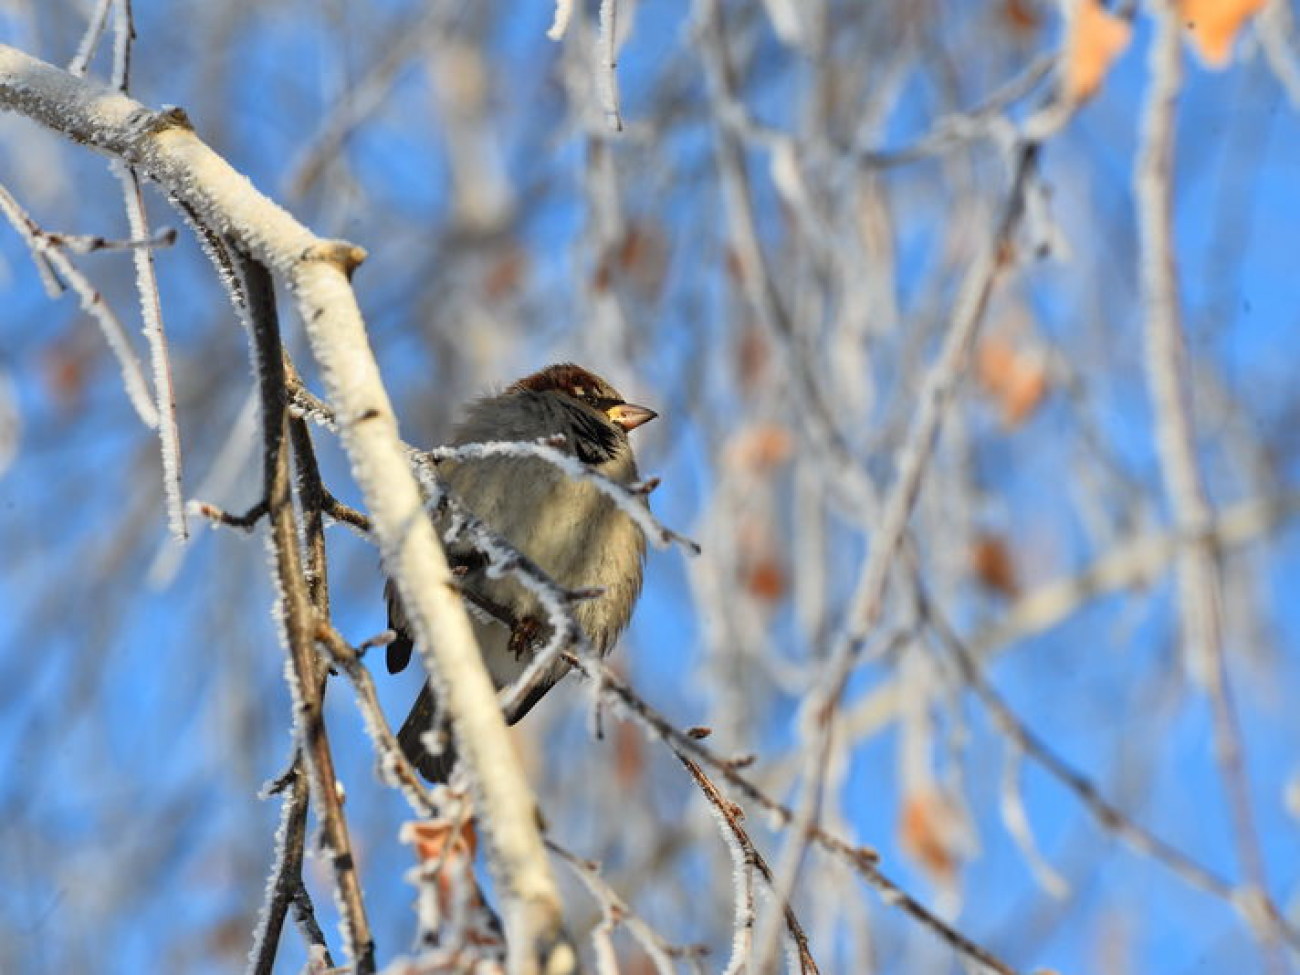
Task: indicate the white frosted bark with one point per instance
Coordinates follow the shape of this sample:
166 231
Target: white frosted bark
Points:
163 147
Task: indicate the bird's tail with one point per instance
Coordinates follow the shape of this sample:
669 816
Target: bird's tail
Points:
424 717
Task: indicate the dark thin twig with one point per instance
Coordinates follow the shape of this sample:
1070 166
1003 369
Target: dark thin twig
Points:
312 497
245 521
89 243
287 890
863 860
727 811
394 765
298 610
304 915
345 514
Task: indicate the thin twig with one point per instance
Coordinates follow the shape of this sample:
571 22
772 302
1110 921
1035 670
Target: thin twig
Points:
312 499
396 769
146 280
615 912
863 860
607 69
728 814
1198 572
346 515
90 243
49 259
123 39
246 520
80 62
286 887
298 612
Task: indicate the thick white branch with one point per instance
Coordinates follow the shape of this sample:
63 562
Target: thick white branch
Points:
163 147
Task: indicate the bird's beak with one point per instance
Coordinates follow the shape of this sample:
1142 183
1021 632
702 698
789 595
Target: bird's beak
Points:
629 416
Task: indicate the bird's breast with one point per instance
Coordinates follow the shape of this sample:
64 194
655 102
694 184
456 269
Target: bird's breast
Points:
569 528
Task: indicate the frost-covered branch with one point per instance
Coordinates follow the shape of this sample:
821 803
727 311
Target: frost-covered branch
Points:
862 860
164 148
394 767
615 912
297 611
57 270
1197 568
747 861
284 889
80 62
146 286
169 437
628 498
607 66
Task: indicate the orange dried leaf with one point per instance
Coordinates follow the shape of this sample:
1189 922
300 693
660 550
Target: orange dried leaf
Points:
1214 24
506 273
640 963
752 355
1016 379
761 447
439 840
629 754
643 257
1094 39
64 368
929 834
993 565
734 264
1023 396
766 580
1022 16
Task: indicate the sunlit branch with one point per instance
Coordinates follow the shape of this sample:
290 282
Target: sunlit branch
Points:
1197 567
298 611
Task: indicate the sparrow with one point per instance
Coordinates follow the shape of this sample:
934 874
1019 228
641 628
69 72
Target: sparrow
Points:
567 527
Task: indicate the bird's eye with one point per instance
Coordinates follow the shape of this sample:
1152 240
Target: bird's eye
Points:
579 392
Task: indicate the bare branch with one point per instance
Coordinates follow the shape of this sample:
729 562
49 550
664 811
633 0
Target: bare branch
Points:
299 613
285 889
615 911
862 860
51 261
164 147
1200 589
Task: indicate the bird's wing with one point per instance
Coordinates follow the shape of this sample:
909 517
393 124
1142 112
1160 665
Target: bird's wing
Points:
399 651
